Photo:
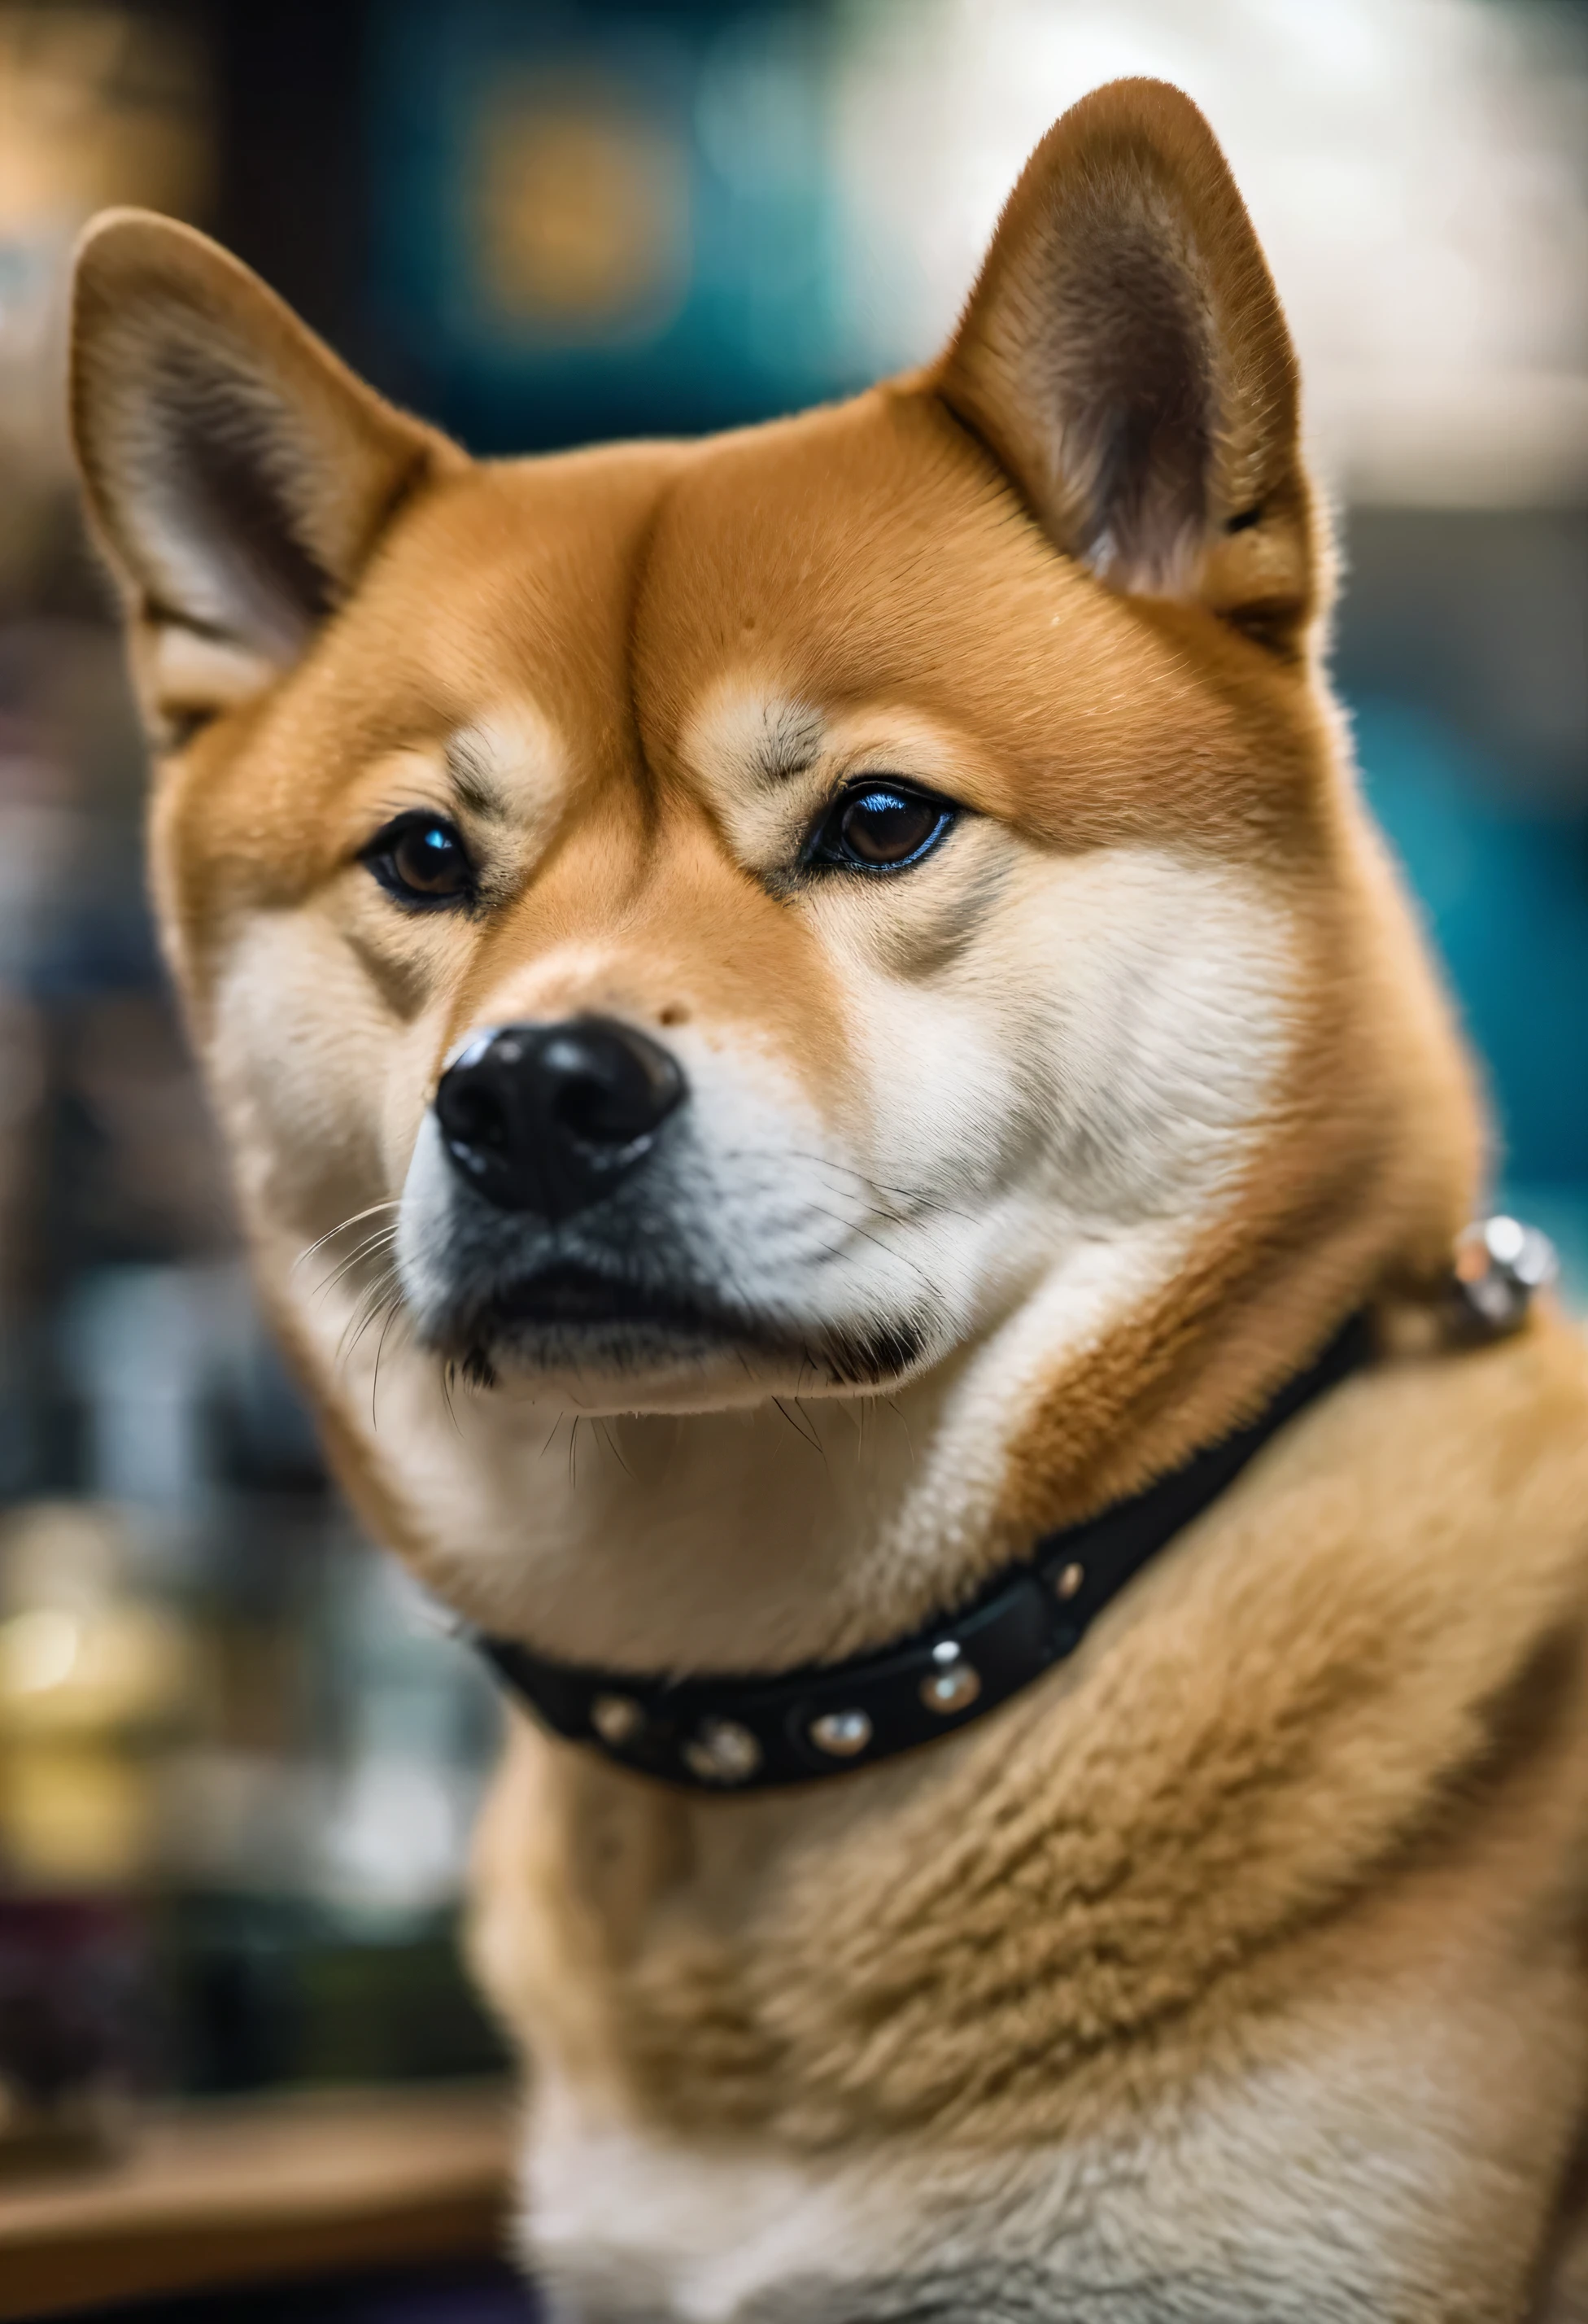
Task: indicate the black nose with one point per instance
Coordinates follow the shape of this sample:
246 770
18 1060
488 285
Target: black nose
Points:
548 1118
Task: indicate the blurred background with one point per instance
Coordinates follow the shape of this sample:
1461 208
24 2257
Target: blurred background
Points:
237 1759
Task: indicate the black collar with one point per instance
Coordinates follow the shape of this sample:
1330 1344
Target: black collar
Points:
756 1732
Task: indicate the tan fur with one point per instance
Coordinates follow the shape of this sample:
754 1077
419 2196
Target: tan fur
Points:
1236 1971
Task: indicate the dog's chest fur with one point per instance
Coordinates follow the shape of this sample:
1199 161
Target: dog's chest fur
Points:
1236 1974
1268 2203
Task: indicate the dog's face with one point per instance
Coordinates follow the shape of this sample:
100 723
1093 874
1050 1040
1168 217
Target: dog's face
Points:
748 990
761 918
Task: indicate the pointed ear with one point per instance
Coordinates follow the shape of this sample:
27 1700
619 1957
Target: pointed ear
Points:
237 472
1125 357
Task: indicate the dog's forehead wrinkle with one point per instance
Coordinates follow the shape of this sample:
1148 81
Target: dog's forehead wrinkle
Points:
472 772
504 761
744 727
791 739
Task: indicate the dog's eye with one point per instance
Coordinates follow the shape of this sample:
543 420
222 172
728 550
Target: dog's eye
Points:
882 828
421 859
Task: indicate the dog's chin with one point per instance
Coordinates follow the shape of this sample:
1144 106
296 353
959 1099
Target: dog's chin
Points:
643 1348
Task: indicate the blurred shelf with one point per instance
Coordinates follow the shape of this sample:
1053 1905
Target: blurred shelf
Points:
243 2191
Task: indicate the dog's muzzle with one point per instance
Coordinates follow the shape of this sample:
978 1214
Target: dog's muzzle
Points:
547 1118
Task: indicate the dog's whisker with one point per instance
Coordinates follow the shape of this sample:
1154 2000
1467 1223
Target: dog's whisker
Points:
385 1291
448 1375
836 1250
806 1435
613 1447
392 1313
921 1198
390 1203
382 1241
325 1290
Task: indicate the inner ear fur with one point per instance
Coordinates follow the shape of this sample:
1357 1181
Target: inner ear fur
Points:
237 474
1125 357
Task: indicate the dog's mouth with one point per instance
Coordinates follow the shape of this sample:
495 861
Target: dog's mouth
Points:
570 1297
569 1314
569 1311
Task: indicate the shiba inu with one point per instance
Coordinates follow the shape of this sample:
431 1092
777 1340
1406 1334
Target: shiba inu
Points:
800 1017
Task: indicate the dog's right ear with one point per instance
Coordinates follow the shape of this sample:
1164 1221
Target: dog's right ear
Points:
238 475
1124 357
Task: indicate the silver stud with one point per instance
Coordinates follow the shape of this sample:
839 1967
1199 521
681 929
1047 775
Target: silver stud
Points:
1500 1264
1068 1580
617 1719
721 1751
955 1683
841 1732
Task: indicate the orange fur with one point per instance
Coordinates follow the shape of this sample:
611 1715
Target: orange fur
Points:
1258 1929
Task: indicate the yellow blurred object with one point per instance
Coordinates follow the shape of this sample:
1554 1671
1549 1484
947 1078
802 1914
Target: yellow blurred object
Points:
38 1651
98 104
125 1666
78 1816
91 1677
583 209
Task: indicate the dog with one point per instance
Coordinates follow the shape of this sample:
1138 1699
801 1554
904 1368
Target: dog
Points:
800 1019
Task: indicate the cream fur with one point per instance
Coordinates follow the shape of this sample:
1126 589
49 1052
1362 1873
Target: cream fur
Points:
1236 1971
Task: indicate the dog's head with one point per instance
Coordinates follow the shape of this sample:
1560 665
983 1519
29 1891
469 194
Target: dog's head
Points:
775 915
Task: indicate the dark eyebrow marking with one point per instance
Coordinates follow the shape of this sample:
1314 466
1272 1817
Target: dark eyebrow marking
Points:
472 775
790 743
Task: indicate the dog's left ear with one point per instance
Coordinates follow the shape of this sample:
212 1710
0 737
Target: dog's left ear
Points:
1125 357
238 477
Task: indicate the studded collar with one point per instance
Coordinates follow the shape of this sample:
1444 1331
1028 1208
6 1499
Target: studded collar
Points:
757 1732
